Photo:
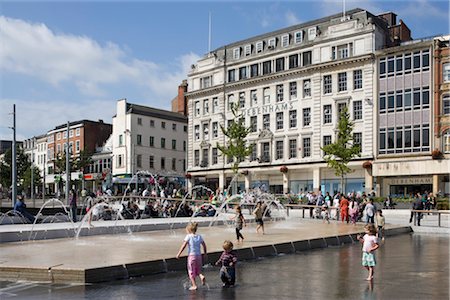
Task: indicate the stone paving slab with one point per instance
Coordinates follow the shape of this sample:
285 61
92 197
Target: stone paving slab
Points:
109 257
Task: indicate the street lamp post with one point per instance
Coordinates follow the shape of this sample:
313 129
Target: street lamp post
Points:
14 159
67 164
32 171
43 181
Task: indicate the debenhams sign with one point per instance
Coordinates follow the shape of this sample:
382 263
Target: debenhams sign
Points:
267 109
410 180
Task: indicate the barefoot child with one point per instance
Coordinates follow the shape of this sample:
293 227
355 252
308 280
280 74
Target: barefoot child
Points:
228 259
194 259
380 222
370 244
258 212
239 222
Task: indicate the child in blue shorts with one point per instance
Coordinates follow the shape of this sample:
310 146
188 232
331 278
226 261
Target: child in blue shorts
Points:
228 260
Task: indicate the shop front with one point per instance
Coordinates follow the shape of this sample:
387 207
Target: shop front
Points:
407 186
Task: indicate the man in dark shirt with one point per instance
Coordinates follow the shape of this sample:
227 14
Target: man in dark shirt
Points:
418 205
21 207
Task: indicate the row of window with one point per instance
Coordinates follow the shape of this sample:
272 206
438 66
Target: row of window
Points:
265 151
77 147
71 134
404 139
98 166
280 94
405 63
280 64
416 98
41 159
284 41
280 120
163 124
151 142
151 164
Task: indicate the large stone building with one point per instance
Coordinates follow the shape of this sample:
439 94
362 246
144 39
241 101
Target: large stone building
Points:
442 107
147 139
290 85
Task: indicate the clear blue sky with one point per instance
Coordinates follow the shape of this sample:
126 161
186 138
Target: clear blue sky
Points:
66 60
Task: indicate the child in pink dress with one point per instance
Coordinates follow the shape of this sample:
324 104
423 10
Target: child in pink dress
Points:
194 259
370 244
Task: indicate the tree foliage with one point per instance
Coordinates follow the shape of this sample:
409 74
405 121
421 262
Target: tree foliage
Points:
77 163
22 164
83 160
26 184
338 154
60 162
236 147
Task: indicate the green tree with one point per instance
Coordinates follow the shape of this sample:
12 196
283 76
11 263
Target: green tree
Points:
82 161
60 162
236 148
338 154
26 183
6 167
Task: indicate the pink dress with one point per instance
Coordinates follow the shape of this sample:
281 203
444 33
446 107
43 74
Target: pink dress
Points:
194 259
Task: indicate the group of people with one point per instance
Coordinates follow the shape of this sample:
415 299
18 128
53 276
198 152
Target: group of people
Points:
424 201
228 259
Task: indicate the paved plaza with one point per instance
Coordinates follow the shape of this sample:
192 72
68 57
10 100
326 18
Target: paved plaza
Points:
107 257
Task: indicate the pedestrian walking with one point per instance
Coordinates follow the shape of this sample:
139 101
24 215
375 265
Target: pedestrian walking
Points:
194 242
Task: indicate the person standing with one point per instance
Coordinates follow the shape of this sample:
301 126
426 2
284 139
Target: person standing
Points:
73 204
370 212
239 222
194 259
343 207
354 210
380 222
259 214
418 205
370 244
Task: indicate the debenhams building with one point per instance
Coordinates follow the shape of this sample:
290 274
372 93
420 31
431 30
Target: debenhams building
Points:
290 85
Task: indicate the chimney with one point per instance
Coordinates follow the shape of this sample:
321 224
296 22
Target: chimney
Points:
390 18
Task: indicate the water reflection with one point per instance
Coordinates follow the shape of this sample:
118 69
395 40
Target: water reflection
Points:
409 267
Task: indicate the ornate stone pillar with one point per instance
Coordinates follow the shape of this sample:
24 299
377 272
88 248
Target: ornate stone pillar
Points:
221 180
247 180
435 184
286 182
316 179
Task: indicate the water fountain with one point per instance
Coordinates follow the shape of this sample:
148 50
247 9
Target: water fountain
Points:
53 201
190 193
9 215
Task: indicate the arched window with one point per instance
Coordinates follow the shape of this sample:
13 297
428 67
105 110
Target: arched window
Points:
446 141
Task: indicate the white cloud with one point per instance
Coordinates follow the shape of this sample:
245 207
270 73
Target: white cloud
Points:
37 51
291 18
37 117
80 68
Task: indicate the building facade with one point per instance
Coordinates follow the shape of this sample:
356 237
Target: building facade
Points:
36 150
148 139
84 135
442 106
290 86
405 163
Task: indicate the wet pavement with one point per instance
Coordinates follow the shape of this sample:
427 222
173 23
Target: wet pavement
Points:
410 266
